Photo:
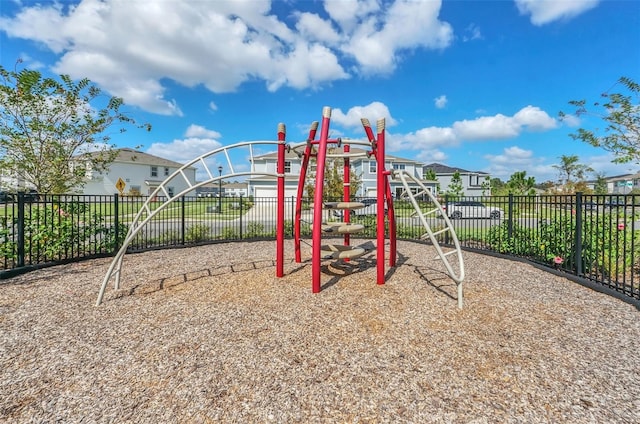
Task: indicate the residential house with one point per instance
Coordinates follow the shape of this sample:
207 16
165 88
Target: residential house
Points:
474 183
227 189
365 167
623 184
141 172
235 189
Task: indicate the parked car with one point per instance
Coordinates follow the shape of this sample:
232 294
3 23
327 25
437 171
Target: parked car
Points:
471 209
5 197
30 196
615 203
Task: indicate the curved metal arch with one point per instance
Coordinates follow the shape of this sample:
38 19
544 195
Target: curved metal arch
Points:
432 236
145 214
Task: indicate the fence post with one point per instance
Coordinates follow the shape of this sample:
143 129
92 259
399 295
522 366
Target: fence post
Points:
183 220
20 261
510 217
578 234
116 222
241 217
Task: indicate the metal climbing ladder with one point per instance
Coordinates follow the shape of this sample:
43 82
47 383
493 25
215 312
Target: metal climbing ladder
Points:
456 275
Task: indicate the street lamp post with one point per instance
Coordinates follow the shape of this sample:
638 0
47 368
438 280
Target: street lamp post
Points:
220 189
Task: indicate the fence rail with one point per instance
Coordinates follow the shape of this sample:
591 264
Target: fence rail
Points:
594 237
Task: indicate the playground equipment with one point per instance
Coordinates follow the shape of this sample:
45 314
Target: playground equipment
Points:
317 149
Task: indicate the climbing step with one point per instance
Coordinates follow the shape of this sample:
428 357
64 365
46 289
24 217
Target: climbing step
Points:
342 228
343 205
342 252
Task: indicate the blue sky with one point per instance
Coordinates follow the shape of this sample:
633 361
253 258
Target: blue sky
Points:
472 84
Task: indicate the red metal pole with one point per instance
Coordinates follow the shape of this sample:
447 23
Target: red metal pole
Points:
391 218
317 202
380 188
367 129
303 176
347 190
282 129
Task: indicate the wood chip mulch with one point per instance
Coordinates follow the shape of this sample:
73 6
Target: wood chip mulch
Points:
209 334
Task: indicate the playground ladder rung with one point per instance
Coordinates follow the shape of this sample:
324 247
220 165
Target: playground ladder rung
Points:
449 253
444 230
432 211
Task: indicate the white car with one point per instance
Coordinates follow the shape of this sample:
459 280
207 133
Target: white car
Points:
471 209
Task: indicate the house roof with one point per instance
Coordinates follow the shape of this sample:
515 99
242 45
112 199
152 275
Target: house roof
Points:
126 155
236 185
623 177
439 168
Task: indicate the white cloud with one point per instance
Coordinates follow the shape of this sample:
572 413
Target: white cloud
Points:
427 141
430 156
129 48
515 159
546 11
440 101
313 27
201 132
534 119
197 142
373 111
184 150
348 14
572 121
472 32
604 164
487 127
500 126
213 106
379 39
424 139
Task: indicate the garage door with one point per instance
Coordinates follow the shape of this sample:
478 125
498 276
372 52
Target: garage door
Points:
273 192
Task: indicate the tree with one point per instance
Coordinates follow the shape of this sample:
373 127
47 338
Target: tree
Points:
486 185
46 123
430 175
571 172
520 184
600 186
455 187
621 113
498 187
333 181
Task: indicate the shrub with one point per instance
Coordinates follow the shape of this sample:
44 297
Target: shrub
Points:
198 233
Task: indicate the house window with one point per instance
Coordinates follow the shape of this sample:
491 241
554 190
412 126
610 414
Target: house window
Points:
287 167
170 191
154 171
398 166
373 166
474 180
166 172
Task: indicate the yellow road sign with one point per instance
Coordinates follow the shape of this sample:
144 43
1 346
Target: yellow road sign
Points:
120 185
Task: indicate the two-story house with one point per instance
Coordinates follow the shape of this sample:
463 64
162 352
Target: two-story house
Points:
474 183
623 184
365 167
141 172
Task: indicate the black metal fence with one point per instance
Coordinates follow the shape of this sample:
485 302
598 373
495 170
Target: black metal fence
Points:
594 237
